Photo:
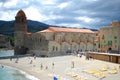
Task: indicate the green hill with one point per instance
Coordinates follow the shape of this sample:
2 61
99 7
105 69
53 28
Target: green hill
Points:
7 27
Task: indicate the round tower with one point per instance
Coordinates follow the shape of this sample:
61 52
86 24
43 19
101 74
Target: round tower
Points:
20 30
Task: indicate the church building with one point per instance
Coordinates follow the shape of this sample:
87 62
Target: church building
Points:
53 41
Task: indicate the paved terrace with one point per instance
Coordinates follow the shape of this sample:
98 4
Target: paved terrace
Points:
62 68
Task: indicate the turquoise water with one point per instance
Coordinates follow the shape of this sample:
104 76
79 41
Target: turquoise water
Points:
9 73
6 53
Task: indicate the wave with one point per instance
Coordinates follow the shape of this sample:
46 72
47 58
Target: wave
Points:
28 76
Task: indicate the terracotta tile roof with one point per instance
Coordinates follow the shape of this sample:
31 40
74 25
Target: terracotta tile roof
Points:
29 34
58 29
46 30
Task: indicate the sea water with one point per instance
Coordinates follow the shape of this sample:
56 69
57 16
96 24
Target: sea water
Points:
9 73
6 53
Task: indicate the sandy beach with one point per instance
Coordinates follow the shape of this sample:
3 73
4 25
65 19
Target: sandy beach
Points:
61 67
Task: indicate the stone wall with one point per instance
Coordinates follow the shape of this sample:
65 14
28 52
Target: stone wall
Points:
39 53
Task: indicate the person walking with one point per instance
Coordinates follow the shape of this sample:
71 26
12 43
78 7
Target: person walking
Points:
72 64
41 66
53 65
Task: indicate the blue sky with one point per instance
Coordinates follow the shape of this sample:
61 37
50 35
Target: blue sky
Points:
70 13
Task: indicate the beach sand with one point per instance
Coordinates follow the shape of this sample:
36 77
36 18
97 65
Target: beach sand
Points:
44 69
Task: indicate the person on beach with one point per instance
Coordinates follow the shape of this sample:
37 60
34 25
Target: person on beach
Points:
46 67
31 62
41 66
72 64
53 65
34 57
119 67
10 58
2 66
17 60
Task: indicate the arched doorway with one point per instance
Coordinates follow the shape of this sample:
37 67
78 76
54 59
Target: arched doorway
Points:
109 49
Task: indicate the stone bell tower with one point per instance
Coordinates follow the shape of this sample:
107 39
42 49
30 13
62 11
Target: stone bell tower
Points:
20 30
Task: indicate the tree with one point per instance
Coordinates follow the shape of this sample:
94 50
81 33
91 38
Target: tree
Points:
11 39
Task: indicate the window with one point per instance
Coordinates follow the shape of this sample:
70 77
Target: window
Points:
109 36
109 42
94 44
99 46
115 41
115 36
